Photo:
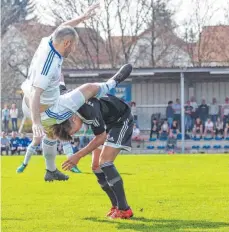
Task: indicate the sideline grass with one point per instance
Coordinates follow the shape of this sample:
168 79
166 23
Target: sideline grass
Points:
167 193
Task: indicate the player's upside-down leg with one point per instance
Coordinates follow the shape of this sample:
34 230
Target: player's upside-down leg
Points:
68 102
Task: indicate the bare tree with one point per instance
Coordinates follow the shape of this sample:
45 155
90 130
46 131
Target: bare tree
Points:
197 42
133 18
13 11
131 21
15 62
128 18
90 42
160 24
226 12
107 29
14 55
93 48
158 39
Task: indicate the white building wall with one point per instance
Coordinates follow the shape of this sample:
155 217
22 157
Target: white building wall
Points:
208 90
165 55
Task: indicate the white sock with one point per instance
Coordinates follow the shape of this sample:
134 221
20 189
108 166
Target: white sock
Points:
30 151
49 147
105 88
67 148
111 83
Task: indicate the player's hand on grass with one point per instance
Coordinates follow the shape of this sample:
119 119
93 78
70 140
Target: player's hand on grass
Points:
90 12
70 162
38 131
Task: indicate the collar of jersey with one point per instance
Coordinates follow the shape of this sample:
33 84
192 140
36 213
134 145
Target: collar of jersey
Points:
54 50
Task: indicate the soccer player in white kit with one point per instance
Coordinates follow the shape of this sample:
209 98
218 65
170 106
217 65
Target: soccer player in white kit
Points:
42 100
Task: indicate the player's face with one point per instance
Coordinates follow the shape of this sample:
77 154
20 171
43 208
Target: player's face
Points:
76 124
69 47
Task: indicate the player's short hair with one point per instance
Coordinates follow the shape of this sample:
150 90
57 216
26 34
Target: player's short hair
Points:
61 131
62 32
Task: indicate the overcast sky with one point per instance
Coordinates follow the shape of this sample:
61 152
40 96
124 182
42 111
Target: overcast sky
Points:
186 8
184 11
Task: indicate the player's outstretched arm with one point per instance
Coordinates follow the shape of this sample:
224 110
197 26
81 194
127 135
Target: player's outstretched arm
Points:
95 143
90 12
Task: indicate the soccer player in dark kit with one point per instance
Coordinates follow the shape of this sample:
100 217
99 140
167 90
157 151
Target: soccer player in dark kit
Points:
112 123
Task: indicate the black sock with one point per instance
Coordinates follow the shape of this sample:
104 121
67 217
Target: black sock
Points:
115 182
105 187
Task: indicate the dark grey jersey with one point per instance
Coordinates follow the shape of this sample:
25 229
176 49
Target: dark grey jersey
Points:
104 113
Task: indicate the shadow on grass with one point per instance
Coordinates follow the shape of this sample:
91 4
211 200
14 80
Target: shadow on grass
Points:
123 173
126 174
148 225
12 219
87 173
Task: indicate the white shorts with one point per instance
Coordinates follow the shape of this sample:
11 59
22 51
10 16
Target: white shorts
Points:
66 105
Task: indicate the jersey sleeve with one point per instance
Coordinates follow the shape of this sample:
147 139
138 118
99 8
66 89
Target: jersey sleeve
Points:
98 126
45 72
43 66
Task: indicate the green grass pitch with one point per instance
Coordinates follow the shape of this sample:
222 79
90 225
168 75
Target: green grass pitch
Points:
166 192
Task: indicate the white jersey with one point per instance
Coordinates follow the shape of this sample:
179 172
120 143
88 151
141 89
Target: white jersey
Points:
44 73
209 125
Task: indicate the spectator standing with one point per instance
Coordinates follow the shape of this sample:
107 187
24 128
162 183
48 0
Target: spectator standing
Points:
177 112
225 111
14 116
219 127
188 118
170 113
194 105
14 143
214 110
5 118
134 111
154 128
5 143
203 111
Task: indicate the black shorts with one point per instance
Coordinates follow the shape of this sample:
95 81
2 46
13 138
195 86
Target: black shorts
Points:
219 131
119 135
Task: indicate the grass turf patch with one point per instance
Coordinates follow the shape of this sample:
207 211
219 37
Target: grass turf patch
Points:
166 193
